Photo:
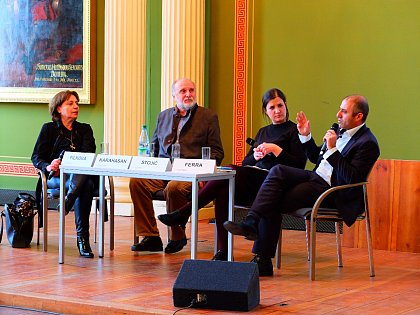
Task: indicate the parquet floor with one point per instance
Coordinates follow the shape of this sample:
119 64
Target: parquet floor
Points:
124 282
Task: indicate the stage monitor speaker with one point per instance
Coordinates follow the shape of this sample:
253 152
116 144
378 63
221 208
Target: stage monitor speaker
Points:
219 285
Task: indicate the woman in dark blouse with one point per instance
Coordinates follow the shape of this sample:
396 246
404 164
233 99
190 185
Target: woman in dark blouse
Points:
64 133
277 143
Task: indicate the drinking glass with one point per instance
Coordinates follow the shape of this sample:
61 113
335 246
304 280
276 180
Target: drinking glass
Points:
105 148
176 151
152 149
205 153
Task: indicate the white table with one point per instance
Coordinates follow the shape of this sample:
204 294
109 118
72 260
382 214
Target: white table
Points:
179 176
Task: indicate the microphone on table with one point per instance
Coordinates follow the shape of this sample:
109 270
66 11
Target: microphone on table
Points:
60 157
334 127
250 141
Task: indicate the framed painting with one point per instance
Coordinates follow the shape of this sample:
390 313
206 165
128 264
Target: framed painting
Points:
47 46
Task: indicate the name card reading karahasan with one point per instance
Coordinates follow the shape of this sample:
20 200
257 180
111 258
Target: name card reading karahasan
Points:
150 164
196 166
115 162
78 159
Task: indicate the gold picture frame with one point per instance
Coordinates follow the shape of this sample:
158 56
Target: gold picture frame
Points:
47 46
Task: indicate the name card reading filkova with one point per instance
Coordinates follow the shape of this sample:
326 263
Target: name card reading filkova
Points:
78 159
152 164
196 166
115 162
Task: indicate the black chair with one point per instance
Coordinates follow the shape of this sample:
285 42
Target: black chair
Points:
44 194
318 213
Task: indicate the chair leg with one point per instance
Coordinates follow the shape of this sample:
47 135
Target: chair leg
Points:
37 238
45 222
369 245
312 250
278 251
308 237
338 242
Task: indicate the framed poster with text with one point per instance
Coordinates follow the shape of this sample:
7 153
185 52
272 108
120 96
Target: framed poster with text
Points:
47 46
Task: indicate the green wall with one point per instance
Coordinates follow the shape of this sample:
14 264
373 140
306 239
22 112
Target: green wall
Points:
318 52
20 123
153 63
221 71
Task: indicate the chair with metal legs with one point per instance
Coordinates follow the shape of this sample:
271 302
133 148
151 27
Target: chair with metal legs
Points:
44 194
111 200
311 216
318 213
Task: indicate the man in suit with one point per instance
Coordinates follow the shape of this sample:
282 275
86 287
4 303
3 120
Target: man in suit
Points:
193 127
349 159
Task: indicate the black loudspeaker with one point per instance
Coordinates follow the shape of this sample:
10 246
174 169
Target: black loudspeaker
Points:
219 285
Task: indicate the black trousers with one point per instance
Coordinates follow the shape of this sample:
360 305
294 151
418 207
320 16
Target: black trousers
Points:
82 186
247 182
285 189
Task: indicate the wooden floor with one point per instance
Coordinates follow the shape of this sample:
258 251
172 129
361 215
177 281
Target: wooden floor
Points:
124 282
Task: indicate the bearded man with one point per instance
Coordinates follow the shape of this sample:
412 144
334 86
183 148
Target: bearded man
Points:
192 127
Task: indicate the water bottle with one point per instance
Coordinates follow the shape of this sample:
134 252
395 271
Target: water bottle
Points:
143 149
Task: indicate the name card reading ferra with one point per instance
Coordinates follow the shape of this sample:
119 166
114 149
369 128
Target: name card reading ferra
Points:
143 163
196 166
115 162
78 159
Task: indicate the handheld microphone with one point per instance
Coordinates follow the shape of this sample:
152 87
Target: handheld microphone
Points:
51 174
334 127
250 141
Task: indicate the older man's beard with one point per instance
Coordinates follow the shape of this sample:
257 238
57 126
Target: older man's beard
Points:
186 107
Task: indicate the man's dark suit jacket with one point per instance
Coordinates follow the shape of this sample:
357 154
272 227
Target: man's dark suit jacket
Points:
350 166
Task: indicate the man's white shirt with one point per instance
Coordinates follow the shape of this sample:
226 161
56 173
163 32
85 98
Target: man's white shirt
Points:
324 168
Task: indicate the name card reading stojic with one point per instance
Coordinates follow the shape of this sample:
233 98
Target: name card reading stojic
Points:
150 164
196 166
78 159
115 162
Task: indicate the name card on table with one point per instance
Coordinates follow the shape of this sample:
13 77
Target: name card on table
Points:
196 166
150 164
78 159
115 162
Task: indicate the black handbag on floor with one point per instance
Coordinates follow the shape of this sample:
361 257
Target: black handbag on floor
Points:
19 220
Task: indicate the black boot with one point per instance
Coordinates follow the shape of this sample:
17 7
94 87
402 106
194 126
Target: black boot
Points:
69 203
70 200
84 246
